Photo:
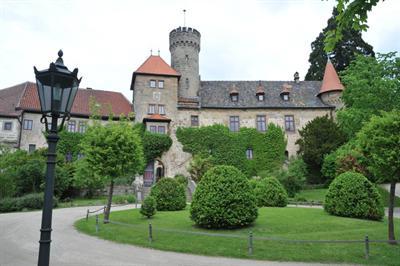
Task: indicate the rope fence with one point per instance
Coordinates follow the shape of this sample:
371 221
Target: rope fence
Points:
250 237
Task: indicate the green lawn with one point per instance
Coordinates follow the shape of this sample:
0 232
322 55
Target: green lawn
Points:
318 195
283 223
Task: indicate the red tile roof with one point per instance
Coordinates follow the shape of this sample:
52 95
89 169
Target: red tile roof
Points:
331 81
157 118
9 100
157 66
28 100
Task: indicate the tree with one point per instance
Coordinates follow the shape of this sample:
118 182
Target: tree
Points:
112 151
352 14
199 166
318 138
342 53
372 85
379 139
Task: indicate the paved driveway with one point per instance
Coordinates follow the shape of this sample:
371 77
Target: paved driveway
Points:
19 235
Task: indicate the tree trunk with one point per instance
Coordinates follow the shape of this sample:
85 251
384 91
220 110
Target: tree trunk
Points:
109 201
391 209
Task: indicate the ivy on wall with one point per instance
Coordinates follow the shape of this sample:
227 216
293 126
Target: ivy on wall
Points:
154 144
229 148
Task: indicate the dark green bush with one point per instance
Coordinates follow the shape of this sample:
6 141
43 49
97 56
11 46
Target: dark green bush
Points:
32 201
7 185
353 195
149 207
295 177
181 179
270 193
169 195
223 199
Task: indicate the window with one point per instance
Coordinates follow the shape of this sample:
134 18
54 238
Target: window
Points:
234 123
32 148
80 156
152 83
7 126
194 120
286 97
71 126
161 109
249 153
234 97
161 129
27 125
152 109
187 83
82 127
161 84
153 129
260 97
289 122
286 155
68 157
261 123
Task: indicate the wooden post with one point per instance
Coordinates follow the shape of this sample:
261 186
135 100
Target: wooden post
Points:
97 223
87 214
366 247
250 243
150 233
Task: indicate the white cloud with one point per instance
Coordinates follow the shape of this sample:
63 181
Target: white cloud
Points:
108 40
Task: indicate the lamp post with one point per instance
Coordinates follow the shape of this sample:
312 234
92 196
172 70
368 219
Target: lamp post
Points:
56 87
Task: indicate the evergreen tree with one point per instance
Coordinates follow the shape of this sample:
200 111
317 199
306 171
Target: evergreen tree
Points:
342 54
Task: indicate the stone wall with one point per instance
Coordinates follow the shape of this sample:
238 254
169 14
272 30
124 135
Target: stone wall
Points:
9 137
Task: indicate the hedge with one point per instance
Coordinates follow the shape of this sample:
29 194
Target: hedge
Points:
169 195
270 193
30 202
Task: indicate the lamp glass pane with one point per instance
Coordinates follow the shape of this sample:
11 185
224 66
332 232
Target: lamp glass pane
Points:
39 86
64 100
74 90
57 91
47 98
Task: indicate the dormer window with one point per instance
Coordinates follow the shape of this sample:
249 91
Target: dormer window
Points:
260 92
234 97
234 93
260 97
286 97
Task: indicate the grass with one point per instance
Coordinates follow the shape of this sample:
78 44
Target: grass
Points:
318 195
97 201
284 223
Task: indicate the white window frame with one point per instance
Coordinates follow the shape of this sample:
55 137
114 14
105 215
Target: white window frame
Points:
161 84
152 83
27 124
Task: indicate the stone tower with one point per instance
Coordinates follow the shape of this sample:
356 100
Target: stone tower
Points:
184 45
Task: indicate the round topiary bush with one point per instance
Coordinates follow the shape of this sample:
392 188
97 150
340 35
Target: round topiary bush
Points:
169 195
148 207
270 193
353 195
223 199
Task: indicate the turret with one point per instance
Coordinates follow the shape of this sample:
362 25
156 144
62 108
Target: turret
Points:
331 88
184 45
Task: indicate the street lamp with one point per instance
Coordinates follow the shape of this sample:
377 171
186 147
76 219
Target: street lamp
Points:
56 87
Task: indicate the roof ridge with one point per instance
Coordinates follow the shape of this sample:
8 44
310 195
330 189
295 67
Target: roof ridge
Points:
22 94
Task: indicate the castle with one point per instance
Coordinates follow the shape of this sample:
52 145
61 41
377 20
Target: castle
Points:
167 97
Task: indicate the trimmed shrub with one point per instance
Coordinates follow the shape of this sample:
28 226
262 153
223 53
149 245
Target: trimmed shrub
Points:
123 199
181 179
270 193
149 207
223 199
353 195
32 201
169 195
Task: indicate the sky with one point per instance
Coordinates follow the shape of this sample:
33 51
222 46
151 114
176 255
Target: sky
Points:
109 40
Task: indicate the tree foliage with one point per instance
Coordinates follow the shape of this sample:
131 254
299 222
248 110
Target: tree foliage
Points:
294 178
372 85
112 151
149 207
379 140
341 55
318 138
223 199
229 148
199 166
351 14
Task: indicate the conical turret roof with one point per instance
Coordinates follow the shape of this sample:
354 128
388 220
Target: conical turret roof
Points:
331 81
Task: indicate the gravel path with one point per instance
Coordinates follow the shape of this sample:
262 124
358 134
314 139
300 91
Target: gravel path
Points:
19 235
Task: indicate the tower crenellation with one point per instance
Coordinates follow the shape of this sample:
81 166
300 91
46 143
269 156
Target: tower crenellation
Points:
184 45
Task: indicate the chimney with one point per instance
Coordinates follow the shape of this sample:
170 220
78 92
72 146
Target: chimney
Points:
296 77
88 88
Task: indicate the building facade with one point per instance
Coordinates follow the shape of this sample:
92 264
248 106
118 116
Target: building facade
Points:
20 126
167 97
